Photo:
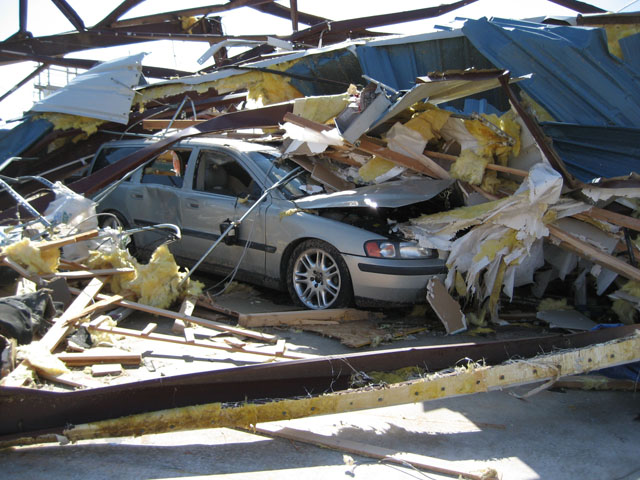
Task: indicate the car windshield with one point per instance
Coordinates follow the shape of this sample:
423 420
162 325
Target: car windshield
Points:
276 168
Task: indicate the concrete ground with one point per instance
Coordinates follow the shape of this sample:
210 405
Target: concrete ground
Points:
551 435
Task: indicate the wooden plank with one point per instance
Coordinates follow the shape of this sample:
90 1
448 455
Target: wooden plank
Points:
76 274
60 329
187 307
80 237
597 382
585 250
430 387
69 379
197 320
197 343
91 357
615 218
490 166
305 317
371 451
148 329
96 307
207 303
189 336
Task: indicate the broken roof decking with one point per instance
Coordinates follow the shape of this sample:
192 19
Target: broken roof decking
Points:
104 92
574 76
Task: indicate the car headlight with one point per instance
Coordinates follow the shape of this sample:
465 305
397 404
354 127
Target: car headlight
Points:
390 249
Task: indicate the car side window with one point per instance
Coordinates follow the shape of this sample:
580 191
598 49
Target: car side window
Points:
167 168
217 172
109 155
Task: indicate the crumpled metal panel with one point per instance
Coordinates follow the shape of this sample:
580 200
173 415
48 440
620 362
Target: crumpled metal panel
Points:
104 92
21 137
594 152
574 76
397 193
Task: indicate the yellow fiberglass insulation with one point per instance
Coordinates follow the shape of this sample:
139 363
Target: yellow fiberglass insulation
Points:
553 304
321 109
493 145
624 309
64 121
469 167
374 168
429 123
32 258
40 359
617 32
156 283
116 258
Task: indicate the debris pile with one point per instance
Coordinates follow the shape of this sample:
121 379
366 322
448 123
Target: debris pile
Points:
511 218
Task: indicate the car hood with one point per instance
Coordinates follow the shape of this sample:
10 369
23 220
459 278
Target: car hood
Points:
397 193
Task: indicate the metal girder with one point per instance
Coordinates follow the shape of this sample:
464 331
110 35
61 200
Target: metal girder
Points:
29 411
294 14
625 18
281 11
24 8
577 6
39 69
70 13
343 27
190 12
117 12
152 72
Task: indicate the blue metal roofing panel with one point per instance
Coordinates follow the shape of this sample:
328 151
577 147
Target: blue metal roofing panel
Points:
22 136
594 151
575 77
338 66
631 50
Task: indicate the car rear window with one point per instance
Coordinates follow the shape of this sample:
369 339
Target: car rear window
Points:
110 155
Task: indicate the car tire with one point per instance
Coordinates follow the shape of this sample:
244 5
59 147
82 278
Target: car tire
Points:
318 277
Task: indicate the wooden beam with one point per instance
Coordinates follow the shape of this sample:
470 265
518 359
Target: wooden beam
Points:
431 387
264 337
372 451
182 341
588 251
615 218
89 273
305 317
91 357
80 237
60 329
490 166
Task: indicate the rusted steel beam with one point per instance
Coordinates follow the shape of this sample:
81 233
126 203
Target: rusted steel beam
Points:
39 69
355 24
577 6
281 11
294 14
70 14
26 411
117 12
189 12
153 72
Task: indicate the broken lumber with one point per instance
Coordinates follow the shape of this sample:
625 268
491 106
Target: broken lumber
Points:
305 317
197 320
372 451
462 382
60 329
75 274
191 340
80 237
105 369
615 218
90 358
187 307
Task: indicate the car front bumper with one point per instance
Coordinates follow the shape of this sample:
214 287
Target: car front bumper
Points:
387 281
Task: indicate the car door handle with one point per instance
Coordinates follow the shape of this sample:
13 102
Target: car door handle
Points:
194 205
136 195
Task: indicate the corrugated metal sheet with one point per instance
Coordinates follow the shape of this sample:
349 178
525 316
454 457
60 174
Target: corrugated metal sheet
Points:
591 152
104 92
575 77
21 137
399 62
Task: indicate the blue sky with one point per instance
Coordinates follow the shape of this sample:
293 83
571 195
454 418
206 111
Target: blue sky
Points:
45 19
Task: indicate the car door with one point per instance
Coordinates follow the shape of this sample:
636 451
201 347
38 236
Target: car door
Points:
222 191
156 198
